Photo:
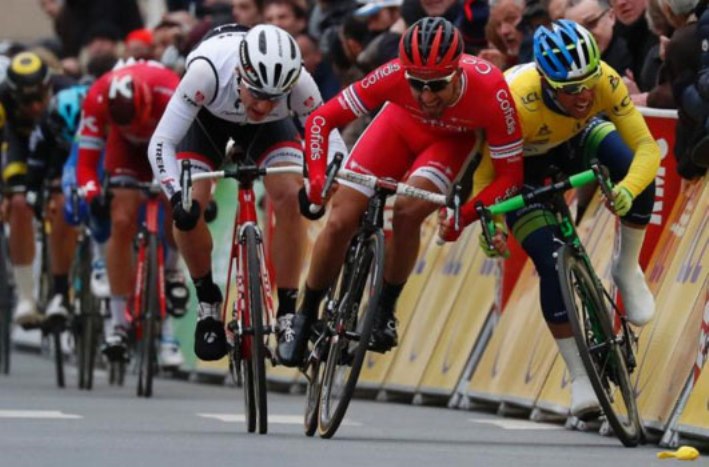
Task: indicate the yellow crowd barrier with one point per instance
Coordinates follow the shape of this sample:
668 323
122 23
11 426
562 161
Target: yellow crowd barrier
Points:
448 279
668 345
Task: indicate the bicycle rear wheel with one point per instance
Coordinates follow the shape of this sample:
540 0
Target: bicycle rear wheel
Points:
256 377
88 318
149 319
6 299
351 331
601 350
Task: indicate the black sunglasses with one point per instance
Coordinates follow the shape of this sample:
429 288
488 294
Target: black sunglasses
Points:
433 85
263 96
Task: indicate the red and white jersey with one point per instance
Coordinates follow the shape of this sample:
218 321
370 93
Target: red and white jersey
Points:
485 104
95 125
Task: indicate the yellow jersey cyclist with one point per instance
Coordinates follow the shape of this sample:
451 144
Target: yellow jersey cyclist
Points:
561 99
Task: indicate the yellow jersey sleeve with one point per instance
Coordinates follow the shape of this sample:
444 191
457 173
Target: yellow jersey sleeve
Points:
629 122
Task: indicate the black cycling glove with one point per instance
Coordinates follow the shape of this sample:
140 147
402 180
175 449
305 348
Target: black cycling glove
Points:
304 204
184 220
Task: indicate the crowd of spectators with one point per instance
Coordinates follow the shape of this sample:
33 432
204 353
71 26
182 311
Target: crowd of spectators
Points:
653 44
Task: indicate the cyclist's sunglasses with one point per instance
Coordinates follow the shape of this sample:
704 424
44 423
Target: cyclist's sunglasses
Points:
263 96
578 86
433 85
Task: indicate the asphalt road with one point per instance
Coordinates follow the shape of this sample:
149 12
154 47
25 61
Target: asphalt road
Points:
195 424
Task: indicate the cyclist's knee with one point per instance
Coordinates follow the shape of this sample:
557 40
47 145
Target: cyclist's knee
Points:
641 211
20 211
410 213
341 223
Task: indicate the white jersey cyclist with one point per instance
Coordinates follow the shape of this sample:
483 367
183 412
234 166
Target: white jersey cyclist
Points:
212 83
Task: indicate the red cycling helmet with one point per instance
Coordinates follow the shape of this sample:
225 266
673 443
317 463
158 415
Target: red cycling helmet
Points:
129 99
432 45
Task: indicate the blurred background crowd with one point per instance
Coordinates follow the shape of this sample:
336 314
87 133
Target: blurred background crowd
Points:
653 44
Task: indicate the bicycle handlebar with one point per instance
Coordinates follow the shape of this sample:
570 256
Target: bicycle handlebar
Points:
597 173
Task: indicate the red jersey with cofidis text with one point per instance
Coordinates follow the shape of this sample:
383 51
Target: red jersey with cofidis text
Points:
159 84
485 103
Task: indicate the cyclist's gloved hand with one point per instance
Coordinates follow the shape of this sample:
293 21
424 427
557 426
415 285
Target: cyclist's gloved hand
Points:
304 205
499 242
446 226
210 211
34 201
622 200
100 206
184 220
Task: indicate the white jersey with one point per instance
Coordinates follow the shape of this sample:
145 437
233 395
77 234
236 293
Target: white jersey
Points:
211 81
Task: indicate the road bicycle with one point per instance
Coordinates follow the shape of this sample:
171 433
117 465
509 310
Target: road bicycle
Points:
342 335
606 349
149 308
87 309
252 319
7 300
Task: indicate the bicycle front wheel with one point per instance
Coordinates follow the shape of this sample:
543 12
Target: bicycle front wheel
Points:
601 350
89 320
354 318
256 378
6 298
149 320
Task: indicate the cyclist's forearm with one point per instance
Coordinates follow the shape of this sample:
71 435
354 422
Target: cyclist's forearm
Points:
646 161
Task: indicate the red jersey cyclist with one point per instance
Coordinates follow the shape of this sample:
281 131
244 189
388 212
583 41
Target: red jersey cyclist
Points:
120 113
436 101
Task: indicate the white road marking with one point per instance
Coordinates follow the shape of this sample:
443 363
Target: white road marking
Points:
278 419
512 424
47 414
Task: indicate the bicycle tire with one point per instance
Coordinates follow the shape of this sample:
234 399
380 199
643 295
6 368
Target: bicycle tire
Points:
58 356
314 374
6 296
87 339
149 321
602 356
247 370
256 305
366 268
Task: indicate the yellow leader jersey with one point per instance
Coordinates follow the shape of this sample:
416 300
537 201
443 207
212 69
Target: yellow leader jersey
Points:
544 128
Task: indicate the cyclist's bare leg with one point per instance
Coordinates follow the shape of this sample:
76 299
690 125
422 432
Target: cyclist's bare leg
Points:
62 239
124 227
196 245
62 242
289 236
22 250
403 247
331 244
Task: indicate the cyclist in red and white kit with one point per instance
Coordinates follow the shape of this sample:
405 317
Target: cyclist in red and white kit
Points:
436 101
120 113
246 85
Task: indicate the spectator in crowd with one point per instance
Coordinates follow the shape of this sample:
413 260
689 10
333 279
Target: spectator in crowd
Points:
383 18
599 18
247 12
472 24
682 66
503 33
168 38
632 25
325 17
139 45
286 14
317 66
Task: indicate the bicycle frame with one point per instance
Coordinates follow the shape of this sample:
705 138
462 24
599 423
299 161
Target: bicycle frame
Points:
237 262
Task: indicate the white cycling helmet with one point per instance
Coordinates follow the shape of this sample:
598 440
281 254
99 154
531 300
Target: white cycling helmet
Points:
269 60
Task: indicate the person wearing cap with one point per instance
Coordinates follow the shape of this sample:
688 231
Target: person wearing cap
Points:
139 45
24 97
383 19
436 102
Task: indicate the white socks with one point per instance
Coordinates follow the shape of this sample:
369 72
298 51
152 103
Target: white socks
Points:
118 310
583 398
24 279
628 276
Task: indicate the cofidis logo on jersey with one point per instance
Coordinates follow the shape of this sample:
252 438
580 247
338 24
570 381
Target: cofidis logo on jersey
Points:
316 137
508 110
379 73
